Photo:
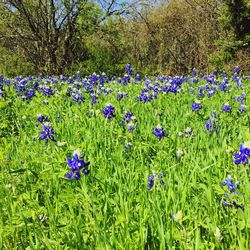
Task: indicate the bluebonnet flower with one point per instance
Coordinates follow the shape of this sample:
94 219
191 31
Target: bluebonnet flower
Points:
151 181
30 93
196 106
223 73
137 77
193 72
77 164
210 124
126 118
129 69
128 145
41 118
245 148
242 156
241 98
131 125
130 120
229 183
226 108
77 96
233 204
109 111
242 108
47 133
93 100
121 95
126 79
236 69
215 72
159 132
79 75
47 91
200 91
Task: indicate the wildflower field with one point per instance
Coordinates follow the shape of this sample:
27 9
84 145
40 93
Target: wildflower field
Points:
131 162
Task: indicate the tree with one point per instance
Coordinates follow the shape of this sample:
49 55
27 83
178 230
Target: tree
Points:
51 32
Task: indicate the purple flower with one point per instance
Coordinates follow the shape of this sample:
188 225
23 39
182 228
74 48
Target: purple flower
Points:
47 133
245 148
129 69
159 132
226 108
196 106
233 204
41 118
193 72
77 164
229 183
151 181
236 69
109 111
242 108
121 95
30 93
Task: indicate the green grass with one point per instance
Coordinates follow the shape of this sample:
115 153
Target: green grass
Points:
111 208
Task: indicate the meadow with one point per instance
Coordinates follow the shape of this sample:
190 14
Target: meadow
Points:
131 162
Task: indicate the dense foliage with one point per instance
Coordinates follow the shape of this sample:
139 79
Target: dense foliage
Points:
126 162
158 37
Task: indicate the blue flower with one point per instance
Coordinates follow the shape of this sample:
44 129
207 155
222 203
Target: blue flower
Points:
242 108
30 93
109 111
41 118
229 183
77 164
47 133
226 108
128 145
159 132
233 204
193 72
151 181
129 69
121 95
196 106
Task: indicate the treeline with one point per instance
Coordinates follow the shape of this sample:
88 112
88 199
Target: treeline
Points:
156 37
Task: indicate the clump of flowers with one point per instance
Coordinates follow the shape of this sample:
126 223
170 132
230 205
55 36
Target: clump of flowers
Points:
242 108
154 178
121 95
243 155
109 111
196 106
47 132
77 165
232 186
42 118
129 70
211 123
226 108
130 120
159 132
